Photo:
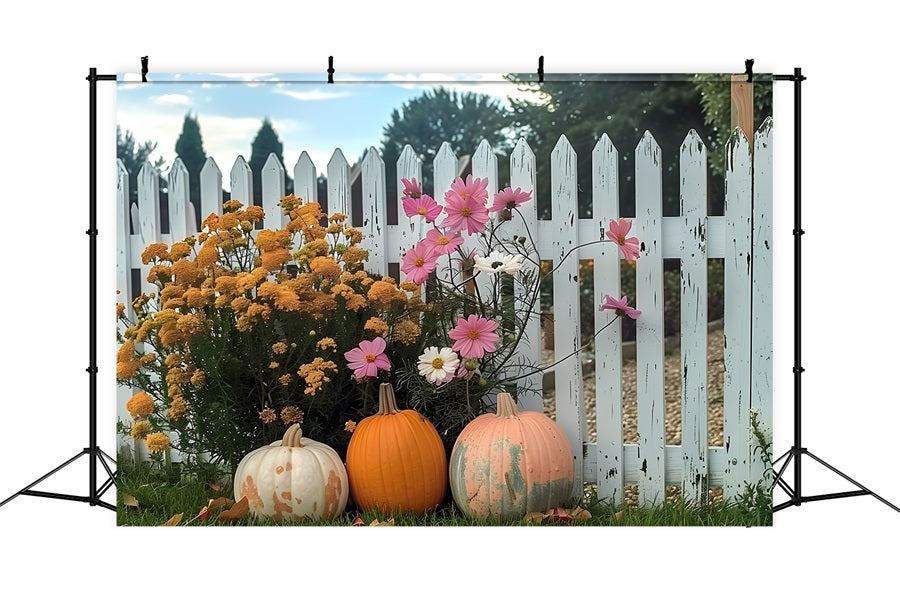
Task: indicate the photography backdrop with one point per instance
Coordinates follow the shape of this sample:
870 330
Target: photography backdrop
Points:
655 406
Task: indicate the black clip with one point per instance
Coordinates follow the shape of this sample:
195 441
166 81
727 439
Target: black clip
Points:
331 69
748 70
541 69
145 60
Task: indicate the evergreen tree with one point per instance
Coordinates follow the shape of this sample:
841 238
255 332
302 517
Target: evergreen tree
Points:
133 157
189 148
264 143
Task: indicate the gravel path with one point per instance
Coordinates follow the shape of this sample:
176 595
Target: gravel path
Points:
715 395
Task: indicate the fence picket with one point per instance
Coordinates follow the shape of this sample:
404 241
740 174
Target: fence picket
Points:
761 325
738 220
374 209
123 286
179 197
608 344
484 165
210 189
242 181
445 171
410 229
338 184
694 434
305 182
522 175
566 307
649 327
272 177
148 211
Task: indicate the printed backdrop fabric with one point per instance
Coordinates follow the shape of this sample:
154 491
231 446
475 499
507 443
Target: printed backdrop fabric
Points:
444 299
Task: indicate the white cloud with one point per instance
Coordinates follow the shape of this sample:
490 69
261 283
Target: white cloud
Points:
243 76
316 94
483 83
172 99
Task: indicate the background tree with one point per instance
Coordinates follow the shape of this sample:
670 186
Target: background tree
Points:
189 147
461 119
264 143
133 156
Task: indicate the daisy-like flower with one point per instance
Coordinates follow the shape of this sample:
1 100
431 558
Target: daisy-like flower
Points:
630 246
509 199
367 358
472 190
419 262
423 205
442 243
495 262
620 307
474 336
465 213
438 365
411 188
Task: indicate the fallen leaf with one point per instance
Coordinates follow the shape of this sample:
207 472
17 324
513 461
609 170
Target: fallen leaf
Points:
173 521
560 515
359 522
620 514
202 514
237 511
215 504
386 523
130 501
579 513
214 486
537 517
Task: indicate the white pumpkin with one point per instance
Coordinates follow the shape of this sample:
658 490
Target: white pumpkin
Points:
292 479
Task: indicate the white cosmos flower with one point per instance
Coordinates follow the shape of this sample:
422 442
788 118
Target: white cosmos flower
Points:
495 262
438 365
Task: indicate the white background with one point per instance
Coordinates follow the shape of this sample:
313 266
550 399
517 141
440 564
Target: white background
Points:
823 555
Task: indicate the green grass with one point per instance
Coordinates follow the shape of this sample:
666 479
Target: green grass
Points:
161 495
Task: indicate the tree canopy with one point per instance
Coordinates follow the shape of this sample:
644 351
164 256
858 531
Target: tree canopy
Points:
264 143
133 156
189 148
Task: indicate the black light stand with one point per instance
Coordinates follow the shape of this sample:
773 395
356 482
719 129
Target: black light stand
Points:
797 452
93 451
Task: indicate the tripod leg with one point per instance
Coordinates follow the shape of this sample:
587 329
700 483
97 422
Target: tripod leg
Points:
109 471
852 481
108 457
44 477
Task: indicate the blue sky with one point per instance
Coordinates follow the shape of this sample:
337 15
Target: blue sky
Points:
308 114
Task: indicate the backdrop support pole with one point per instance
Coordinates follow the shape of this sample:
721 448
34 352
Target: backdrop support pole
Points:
93 452
797 452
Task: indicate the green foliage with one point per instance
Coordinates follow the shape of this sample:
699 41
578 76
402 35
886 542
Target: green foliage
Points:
189 148
264 143
133 156
460 119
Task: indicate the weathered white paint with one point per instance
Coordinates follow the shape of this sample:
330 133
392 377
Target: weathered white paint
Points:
338 184
445 171
609 462
649 326
242 182
272 178
738 220
566 311
305 186
374 209
484 165
761 325
123 287
524 219
694 434
210 189
608 345
179 197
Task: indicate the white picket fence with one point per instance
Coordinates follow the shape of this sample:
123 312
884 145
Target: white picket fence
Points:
742 236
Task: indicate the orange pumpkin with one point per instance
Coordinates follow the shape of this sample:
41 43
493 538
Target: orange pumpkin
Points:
396 460
507 464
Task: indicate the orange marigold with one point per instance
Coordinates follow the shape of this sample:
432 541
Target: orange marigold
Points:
228 221
207 255
311 233
406 332
194 298
285 380
326 267
337 217
383 292
155 251
354 255
315 374
158 442
140 405
179 250
267 415
325 343
350 426
279 347
178 408
274 259
267 239
139 430
291 414
377 326
198 378
354 234
231 205
120 309
186 272
254 213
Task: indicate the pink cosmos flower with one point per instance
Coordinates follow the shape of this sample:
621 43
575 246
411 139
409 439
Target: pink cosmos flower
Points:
471 191
442 243
508 199
464 213
419 262
474 336
620 307
367 358
411 188
423 205
631 246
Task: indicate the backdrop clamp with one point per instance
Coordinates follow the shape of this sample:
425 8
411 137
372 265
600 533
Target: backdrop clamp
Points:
331 69
145 61
540 70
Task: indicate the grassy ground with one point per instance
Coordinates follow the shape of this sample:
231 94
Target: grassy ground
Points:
160 496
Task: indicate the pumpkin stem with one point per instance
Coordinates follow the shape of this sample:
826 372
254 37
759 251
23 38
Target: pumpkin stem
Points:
506 406
292 436
387 402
